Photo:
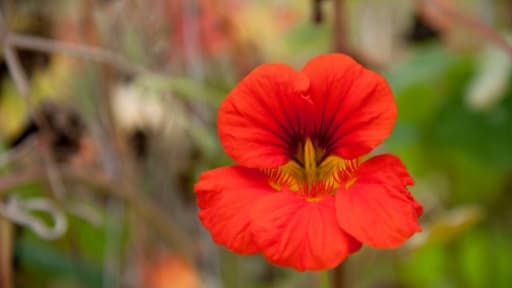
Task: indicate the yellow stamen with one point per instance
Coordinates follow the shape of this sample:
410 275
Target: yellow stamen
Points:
312 174
310 167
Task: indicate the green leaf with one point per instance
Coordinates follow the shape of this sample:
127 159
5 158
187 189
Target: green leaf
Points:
55 263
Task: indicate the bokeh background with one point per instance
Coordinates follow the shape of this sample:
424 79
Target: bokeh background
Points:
107 117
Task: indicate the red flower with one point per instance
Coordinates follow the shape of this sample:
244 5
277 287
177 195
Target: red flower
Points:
301 193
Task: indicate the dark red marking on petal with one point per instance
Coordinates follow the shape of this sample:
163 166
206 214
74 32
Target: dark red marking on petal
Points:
354 107
264 116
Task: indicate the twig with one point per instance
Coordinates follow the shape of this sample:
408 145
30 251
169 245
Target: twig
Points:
12 40
5 253
141 205
317 14
5 226
339 32
19 212
94 54
479 27
16 71
338 276
17 179
54 176
13 65
15 154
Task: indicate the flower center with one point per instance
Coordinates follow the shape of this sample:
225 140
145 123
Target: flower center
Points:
312 172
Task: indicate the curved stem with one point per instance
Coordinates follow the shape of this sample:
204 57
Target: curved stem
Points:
482 29
141 205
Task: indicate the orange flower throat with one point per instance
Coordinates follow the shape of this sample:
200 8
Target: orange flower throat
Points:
313 173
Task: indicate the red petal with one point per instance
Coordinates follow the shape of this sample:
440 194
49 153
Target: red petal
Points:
294 233
225 197
354 106
261 119
377 209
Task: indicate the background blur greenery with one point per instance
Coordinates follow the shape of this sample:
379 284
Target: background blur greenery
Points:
148 111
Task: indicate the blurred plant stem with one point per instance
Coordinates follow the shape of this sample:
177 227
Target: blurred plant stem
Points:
337 276
340 40
230 269
21 81
140 204
13 40
94 54
5 253
471 23
109 183
324 279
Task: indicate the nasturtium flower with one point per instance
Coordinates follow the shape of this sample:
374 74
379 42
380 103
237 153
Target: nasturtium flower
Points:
302 192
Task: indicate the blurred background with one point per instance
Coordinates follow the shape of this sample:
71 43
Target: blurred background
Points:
107 117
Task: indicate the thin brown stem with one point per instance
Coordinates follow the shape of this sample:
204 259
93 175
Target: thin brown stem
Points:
22 84
13 65
338 276
17 179
94 54
141 205
5 253
5 226
340 43
471 23
15 70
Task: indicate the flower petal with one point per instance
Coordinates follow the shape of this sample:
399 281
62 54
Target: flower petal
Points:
354 107
262 118
377 209
299 234
225 197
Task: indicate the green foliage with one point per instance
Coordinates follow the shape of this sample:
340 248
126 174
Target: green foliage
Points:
43 262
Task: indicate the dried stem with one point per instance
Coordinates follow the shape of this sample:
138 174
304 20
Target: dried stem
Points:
17 179
141 205
13 65
5 253
16 153
5 226
21 81
15 70
94 54
338 276
477 26
340 44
